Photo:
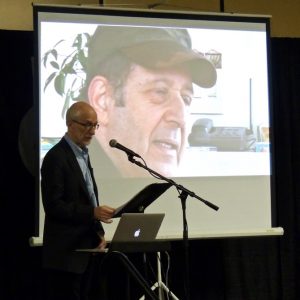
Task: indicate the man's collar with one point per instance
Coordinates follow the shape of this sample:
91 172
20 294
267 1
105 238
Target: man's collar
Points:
73 145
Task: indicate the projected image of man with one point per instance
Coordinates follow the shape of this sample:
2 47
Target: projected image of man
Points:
139 81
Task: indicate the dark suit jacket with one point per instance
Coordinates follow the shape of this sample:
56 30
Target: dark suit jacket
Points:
69 221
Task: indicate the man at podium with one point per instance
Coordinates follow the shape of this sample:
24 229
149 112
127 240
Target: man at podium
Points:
72 213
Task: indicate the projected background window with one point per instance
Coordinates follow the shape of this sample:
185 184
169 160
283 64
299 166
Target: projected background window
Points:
220 150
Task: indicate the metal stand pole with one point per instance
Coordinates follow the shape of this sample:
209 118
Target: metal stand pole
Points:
160 285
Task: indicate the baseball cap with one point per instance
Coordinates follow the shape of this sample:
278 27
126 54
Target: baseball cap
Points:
152 48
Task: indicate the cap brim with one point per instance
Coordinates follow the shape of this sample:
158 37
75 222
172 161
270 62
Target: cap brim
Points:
162 55
203 72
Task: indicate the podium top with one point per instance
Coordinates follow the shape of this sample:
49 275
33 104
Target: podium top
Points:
142 199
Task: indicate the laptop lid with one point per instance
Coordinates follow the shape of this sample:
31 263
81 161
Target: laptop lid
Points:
136 230
142 199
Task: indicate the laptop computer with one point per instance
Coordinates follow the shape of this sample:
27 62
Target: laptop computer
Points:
136 232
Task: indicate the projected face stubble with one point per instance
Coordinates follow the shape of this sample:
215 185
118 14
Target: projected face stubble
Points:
152 121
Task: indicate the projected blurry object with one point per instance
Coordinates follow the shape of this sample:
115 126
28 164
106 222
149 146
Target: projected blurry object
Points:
47 143
263 145
215 57
204 134
209 101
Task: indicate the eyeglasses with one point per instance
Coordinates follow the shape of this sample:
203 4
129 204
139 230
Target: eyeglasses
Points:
88 125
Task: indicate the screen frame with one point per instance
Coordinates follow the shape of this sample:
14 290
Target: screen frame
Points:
203 16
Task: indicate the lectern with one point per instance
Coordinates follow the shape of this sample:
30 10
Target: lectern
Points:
138 204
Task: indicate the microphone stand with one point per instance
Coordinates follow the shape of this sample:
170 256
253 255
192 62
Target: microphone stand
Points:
183 194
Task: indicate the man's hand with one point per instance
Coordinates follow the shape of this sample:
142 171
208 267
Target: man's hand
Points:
102 243
104 213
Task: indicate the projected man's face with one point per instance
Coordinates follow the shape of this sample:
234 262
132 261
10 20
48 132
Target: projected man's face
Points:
152 121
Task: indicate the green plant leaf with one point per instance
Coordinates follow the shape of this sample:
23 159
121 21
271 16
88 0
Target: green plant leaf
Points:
49 79
52 52
54 64
58 43
59 83
66 104
69 67
69 57
82 58
44 59
78 41
87 37
73 91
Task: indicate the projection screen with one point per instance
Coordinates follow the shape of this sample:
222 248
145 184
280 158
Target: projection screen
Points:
222 146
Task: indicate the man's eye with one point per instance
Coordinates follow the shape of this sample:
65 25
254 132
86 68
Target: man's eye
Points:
187 99
159 95
161 91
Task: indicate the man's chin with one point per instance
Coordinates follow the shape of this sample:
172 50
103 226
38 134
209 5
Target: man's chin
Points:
87 142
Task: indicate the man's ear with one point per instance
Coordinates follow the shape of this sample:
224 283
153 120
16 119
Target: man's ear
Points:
99 96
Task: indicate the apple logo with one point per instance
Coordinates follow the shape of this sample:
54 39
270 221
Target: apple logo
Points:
137 233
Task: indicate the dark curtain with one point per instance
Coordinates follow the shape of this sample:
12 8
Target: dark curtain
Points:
286 98
20 264
230 269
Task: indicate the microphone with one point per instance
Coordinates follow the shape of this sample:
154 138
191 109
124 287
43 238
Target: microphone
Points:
115 144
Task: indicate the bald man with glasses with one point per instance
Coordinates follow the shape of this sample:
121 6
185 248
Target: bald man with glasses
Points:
73 215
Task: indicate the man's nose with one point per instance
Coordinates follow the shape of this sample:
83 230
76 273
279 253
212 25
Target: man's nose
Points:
93 130
176 110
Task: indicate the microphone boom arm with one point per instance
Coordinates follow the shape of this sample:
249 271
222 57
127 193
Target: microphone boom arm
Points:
178 186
